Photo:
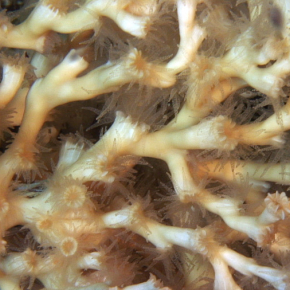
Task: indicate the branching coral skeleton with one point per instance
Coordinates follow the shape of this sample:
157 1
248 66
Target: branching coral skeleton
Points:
75 206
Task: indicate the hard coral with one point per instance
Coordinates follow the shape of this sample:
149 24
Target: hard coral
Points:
144 144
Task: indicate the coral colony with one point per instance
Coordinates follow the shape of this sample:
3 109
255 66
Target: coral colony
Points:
145 145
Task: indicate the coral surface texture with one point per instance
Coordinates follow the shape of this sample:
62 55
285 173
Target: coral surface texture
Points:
144 144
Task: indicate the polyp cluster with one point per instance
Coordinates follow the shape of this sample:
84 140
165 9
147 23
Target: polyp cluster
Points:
145 145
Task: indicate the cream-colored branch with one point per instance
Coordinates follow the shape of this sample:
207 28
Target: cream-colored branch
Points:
47 16
199 106
267 132
191 36
14 70
241 171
